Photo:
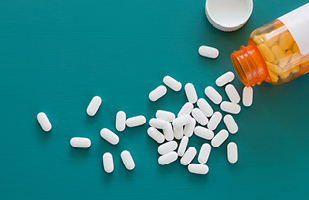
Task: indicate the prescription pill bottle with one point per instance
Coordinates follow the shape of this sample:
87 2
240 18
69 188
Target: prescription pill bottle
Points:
277 52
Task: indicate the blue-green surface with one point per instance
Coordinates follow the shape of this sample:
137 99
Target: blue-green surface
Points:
56 55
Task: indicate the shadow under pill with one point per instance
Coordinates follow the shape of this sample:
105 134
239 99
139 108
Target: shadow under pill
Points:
79 152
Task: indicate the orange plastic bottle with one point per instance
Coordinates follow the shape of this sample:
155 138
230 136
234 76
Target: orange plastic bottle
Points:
273 54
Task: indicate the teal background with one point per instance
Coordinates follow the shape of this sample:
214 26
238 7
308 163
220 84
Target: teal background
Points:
56 55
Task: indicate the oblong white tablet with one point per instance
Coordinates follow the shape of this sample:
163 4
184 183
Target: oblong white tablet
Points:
127 160
204 106
183 145
178 132
186 109
213 95
167 147
188 130
230 124
156 135
232 93
136 121
225 78
203 132
198 169
204 153
108 162
247 96
94 105
120 121
188 156
172 83
80 142
219 138
209 52
182 120
230 107
44 121
158 123
168 132
168 158
199 116
109 136
232 153
165 115
214 121
190 92
157 93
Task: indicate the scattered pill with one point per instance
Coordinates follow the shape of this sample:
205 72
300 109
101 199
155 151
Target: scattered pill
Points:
136 121
219 138
186 109
183 146
213 95
167 147
209 52
109 136
198 168
204 153
188 130
156 135
94 105
44 121
127 160
230 107
108 163
165 115
214 121
204 106
225 78
80 142
190 92
157 93
232 154
230 124
168 132
232 93
158 123
203 132
120 121
188 156
178 132
182 120
172 83
247 96
199 116
168 158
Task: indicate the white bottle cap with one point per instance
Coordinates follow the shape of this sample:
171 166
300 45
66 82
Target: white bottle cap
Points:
228 15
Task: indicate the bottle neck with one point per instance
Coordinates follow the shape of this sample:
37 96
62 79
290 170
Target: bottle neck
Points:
250 65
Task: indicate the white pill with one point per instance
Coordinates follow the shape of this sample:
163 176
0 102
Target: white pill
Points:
157 93
172 83
190 92
165 115
156 135
203 132
168 132
213 95
230 107
168 158
232 93
204 153
44 121
94 105
204 106
178 132
219 138
230 124
225 78
127 160
247 96
167 147
80 142
199 116
120 121
158 123
108 162
214 121
136 121
109 136
186 109
208 52
183 145
182 120
188 130
232 153
198 169
188 156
